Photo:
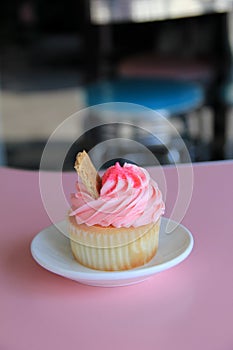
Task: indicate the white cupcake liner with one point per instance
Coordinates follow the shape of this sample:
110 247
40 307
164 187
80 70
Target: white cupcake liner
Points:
113 249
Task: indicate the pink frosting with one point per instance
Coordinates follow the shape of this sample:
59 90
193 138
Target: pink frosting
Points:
128 197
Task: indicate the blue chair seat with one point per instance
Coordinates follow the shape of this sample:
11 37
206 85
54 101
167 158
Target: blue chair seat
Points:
168 96
173 96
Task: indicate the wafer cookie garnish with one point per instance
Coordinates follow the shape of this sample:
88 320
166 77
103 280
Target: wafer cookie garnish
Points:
88 174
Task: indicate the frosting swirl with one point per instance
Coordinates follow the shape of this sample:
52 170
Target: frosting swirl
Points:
128 197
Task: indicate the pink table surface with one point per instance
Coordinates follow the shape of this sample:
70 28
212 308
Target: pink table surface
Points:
187 307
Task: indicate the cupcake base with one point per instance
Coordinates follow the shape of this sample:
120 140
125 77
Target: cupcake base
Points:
113 249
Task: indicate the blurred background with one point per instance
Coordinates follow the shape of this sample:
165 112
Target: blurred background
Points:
56 56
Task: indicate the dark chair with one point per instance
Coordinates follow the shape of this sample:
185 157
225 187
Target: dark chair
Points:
168 97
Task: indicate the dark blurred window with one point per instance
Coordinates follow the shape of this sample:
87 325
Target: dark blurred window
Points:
38 16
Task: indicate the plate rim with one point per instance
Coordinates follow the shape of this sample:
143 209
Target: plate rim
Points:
144 271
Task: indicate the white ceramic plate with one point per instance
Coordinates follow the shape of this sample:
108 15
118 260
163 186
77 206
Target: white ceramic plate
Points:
51 249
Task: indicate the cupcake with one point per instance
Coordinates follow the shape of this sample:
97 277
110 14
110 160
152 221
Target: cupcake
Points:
114 221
